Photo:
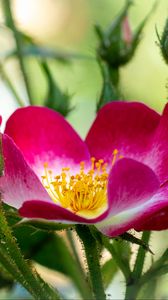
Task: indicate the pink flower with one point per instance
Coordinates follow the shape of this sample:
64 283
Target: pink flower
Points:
116 179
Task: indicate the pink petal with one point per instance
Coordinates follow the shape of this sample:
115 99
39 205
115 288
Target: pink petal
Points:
156 216
131 186
19 182
50 211
157 156
43 135
128 127
159 221
0 120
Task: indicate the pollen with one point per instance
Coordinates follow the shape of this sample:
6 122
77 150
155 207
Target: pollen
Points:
83 193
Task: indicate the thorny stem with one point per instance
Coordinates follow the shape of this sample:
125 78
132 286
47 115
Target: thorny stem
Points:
85 290
92 257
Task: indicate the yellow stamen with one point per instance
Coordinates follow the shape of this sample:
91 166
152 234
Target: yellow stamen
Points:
114 158
86 191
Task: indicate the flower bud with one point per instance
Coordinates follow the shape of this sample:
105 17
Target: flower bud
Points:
118 43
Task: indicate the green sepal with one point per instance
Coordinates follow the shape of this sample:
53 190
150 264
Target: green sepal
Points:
134 240
163 42
55 99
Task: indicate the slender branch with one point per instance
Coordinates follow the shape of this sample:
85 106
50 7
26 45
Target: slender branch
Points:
92 256
8 82
10 22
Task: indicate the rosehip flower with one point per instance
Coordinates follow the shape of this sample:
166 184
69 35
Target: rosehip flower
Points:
116 179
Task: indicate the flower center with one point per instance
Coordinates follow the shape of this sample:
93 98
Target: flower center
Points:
84 193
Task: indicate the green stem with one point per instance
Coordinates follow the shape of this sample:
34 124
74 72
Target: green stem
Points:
115 76
85 289
10 85
123 267
92 256
109 90
35 285
10 22
132 289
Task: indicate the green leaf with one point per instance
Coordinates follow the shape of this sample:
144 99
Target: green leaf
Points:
109 270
